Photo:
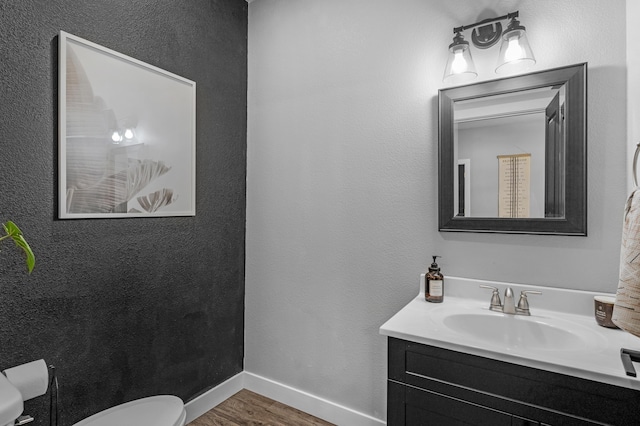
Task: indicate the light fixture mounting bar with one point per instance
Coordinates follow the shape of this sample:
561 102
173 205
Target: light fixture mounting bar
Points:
485 21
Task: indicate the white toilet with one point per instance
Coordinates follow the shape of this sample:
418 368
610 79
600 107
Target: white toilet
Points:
30 380
161 410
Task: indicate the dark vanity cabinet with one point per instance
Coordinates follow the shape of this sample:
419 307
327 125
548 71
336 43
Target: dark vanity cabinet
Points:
434 386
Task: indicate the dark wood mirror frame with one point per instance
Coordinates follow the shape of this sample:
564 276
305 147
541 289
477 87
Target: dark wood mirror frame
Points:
574 221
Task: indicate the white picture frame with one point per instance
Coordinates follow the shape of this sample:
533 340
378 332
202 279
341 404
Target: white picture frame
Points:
127 135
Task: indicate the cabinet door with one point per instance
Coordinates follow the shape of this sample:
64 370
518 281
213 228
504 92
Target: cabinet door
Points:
531 395
423 407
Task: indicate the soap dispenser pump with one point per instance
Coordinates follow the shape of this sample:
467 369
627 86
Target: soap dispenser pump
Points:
434 283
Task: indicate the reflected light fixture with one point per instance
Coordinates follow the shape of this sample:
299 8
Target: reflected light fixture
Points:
128 133
116 137
515 52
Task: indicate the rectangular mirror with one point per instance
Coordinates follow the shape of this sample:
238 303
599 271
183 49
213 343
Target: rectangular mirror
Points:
512 154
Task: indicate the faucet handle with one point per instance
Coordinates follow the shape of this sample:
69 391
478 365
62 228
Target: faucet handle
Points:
496 303
523 303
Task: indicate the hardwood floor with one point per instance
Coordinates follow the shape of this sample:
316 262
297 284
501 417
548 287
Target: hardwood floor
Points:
249 408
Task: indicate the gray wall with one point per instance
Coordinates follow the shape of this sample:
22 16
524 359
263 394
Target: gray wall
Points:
342 181
124 308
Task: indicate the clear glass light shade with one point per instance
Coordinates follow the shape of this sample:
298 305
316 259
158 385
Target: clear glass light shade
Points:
515 52
460 67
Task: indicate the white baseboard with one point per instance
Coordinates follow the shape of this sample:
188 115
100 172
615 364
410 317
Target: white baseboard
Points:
205 402
303 401
311 404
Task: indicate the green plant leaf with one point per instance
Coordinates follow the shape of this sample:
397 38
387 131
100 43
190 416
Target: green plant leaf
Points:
15 234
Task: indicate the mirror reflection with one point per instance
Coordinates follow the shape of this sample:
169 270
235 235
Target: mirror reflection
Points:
508 154
512 154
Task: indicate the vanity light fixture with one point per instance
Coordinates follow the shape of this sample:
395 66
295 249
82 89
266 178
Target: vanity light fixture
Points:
460 67
515 52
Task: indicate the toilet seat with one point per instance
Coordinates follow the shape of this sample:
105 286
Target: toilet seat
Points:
161 410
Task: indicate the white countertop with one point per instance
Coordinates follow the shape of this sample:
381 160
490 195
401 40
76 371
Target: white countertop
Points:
599 359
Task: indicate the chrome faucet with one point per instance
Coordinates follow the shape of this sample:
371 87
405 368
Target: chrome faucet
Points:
509 306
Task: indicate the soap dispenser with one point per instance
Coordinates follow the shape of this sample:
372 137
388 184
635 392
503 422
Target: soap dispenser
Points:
434 283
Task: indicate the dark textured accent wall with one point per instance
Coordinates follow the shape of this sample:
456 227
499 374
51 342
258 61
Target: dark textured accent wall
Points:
124 308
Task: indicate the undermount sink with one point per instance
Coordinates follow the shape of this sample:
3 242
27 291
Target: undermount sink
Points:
522 332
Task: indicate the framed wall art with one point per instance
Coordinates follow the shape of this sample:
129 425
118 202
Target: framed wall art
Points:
127 144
